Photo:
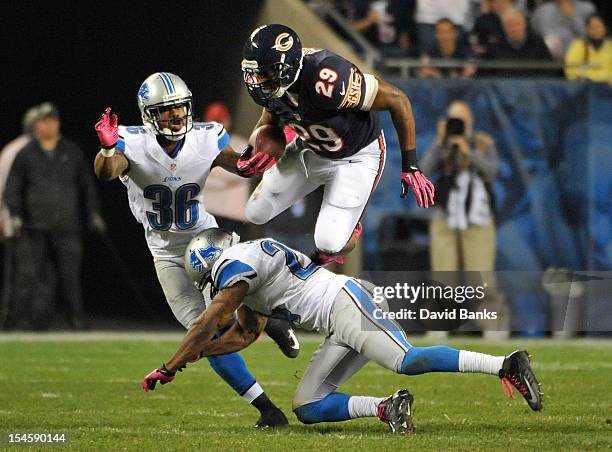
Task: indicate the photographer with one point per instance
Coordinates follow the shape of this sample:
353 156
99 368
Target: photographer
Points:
463 229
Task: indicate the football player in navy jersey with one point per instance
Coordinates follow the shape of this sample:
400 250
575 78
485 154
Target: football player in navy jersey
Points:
332 106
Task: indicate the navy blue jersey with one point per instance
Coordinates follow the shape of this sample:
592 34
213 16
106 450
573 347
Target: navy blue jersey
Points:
331 111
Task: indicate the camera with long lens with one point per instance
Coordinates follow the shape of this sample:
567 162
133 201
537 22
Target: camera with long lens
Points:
454 127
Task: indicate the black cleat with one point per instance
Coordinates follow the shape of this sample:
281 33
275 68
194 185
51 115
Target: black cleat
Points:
516 371
396 411
281 332
272 418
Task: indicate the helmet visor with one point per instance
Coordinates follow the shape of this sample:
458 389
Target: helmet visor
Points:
172 121
265 83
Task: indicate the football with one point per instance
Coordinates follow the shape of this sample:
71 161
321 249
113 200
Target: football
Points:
270 140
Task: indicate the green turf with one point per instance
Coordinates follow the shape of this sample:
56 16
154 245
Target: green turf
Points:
91 390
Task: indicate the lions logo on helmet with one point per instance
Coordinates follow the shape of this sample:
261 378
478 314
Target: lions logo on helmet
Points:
272 60
143 92
204 250
200 255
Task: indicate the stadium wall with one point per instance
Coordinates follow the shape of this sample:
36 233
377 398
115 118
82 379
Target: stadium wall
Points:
553 190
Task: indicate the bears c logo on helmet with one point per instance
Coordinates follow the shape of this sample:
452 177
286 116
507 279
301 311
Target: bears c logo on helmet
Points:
283 42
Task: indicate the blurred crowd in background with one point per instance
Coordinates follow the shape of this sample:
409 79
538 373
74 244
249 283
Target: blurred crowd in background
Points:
504 163
461 38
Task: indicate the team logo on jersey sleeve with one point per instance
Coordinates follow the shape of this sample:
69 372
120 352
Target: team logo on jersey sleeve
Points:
353 93
283 42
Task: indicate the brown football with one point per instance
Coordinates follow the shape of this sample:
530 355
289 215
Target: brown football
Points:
270 140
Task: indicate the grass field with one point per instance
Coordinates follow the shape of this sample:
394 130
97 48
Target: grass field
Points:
90 388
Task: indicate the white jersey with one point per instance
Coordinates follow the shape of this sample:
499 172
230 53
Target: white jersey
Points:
280 277
166 193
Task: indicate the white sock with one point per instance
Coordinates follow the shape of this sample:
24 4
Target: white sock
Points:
361 406
253 392
479 362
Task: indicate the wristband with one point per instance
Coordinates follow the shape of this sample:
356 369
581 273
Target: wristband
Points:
409 160
107 152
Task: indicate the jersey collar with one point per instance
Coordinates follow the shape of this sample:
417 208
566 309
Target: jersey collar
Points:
178 148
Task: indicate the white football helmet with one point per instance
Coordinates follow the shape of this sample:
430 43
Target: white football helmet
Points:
159 92
204 250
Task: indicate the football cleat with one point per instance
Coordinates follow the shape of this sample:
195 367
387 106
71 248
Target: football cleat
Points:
516 371
272 418
281 332
396 411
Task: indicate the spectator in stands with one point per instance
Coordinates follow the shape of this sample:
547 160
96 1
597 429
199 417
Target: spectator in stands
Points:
51 198
519 43
7 156
591 57
387 24
447 47
463 230
559 22
428 12
226 194
488 29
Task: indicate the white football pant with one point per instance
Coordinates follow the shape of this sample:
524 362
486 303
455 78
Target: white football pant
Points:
348 184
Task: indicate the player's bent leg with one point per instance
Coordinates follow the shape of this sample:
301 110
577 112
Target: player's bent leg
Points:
316 399
347 191
281 186
359 323
515 369
185 301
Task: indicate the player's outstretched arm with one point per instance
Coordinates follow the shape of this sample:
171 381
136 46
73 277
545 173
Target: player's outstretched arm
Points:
109 162
240 335
227 159
397 103
201 334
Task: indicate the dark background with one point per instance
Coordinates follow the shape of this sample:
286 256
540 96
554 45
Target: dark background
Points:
84 56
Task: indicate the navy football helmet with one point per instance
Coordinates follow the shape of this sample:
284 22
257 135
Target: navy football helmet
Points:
272 60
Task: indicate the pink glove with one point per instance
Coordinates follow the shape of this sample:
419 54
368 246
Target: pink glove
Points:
162 375
108 129
422 188
251 165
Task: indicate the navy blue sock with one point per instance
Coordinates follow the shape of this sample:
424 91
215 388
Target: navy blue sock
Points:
440 358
